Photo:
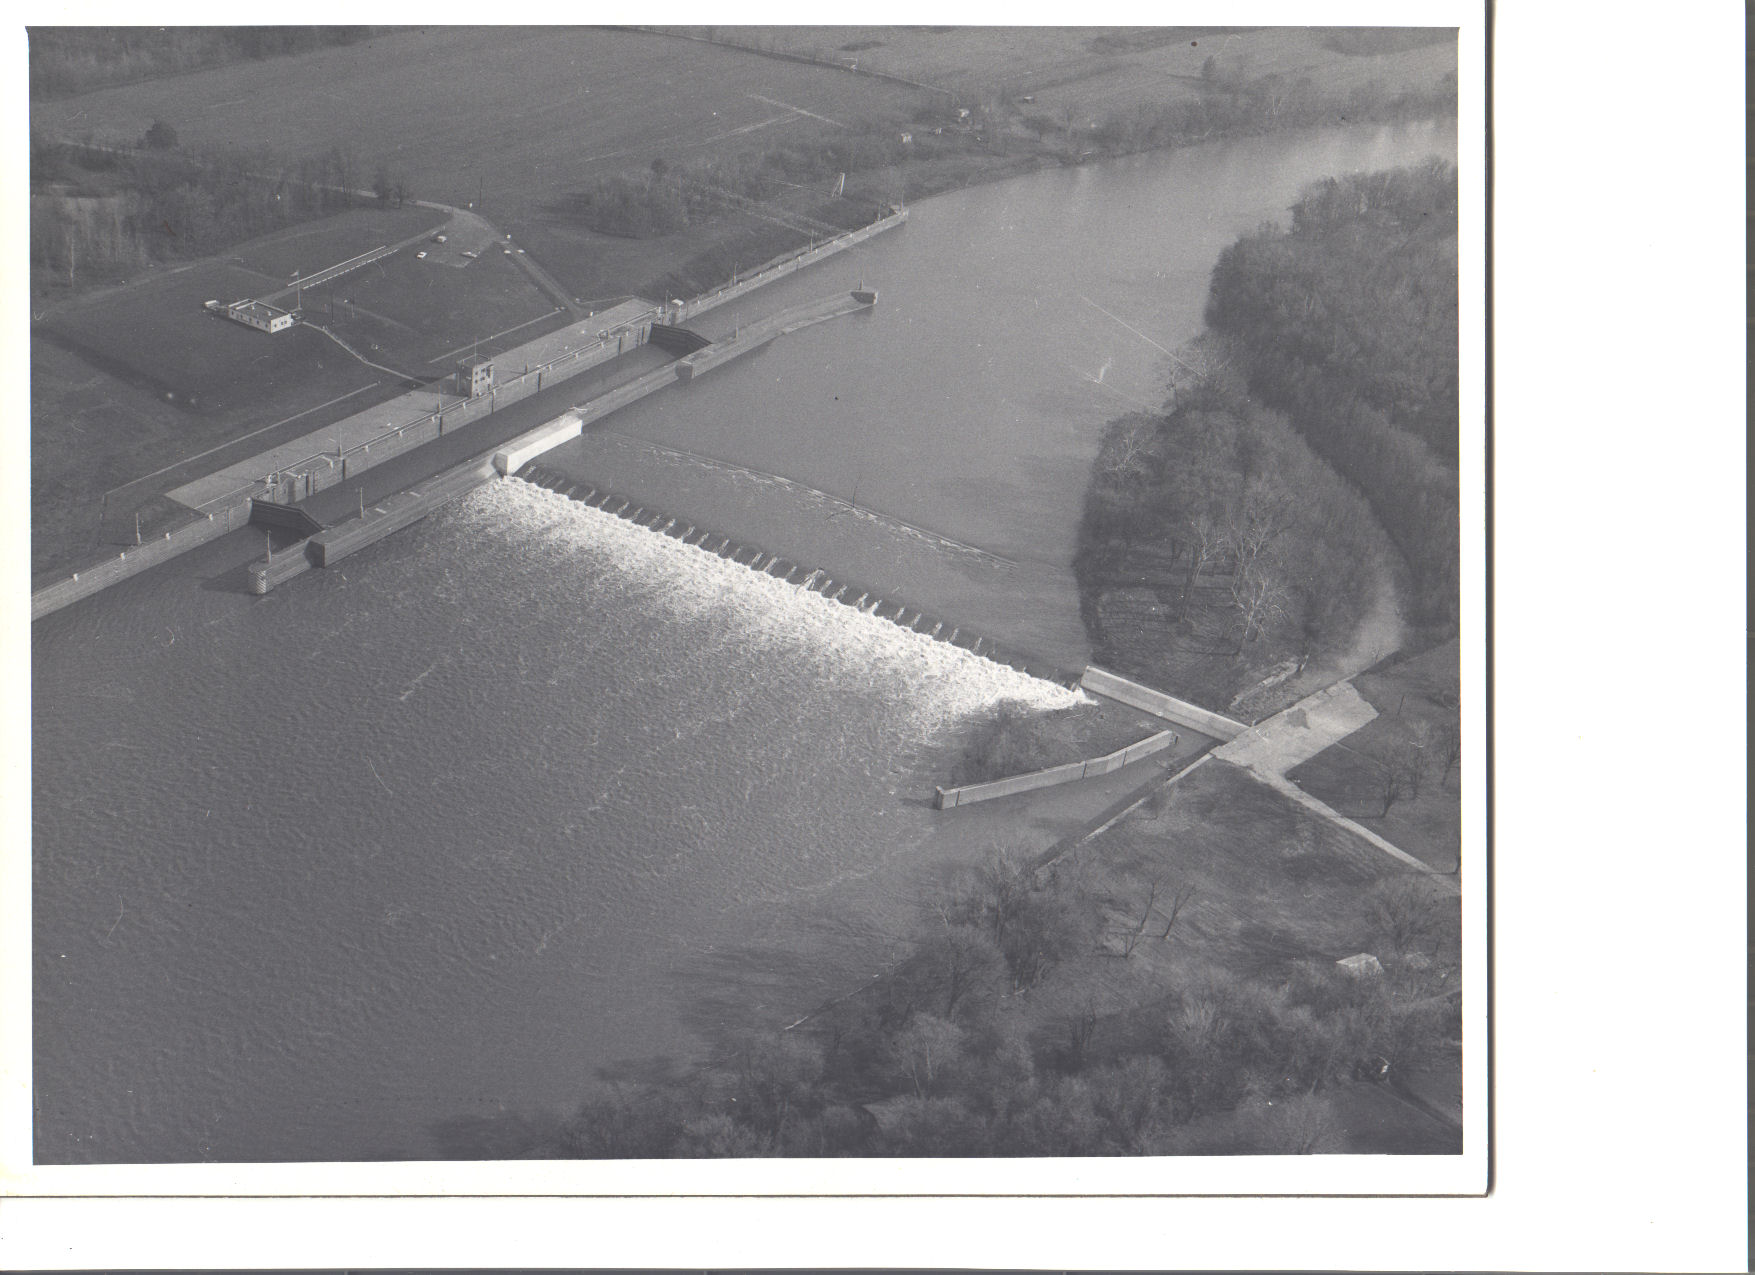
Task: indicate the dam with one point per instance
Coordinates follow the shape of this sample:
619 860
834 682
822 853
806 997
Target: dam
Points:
532 792
221 501
407 507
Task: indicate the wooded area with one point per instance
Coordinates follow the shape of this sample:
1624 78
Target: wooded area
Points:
1347 323
948 1054
98 214
1214 542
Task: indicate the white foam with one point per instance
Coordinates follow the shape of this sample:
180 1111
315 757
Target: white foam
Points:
766 614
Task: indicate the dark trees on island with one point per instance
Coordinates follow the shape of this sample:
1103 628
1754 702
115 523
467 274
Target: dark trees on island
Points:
1347 323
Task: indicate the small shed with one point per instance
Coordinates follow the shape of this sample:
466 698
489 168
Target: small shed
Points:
475 376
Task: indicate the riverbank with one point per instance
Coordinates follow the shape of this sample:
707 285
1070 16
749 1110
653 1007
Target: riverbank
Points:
866 144
591 885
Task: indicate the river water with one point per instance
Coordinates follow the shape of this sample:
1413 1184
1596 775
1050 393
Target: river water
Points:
526 792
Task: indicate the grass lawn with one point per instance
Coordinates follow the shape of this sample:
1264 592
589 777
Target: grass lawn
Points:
416 315
1412 697
314 245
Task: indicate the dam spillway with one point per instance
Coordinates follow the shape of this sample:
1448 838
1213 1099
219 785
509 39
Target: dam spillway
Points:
852 595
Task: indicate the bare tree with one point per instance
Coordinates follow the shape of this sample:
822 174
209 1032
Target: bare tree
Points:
1260 598
1404 912
924 1048
956 960
1080 1033
1178 901
1133 938
1205 539
1305 1124
1390 778
1417 758
1449 749
1128 459
1256 522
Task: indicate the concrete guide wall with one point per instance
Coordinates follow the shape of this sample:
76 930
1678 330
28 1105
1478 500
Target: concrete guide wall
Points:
946 798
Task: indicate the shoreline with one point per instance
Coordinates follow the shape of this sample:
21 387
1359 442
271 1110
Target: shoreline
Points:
931 178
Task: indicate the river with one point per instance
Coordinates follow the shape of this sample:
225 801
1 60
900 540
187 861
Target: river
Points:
525 792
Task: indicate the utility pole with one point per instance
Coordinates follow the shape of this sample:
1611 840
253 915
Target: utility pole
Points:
137 528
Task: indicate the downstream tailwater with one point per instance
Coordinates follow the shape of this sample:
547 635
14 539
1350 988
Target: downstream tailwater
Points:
426 840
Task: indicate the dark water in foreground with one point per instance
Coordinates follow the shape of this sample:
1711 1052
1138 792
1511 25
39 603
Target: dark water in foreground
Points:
525 791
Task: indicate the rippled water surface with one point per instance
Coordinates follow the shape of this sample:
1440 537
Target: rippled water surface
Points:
525 791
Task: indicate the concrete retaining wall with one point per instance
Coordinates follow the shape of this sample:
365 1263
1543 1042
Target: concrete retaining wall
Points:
1066 774
527 447
788 264
1158 704
266 574
405 507
132 561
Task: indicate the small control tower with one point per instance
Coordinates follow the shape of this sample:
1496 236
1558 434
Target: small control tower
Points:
475 376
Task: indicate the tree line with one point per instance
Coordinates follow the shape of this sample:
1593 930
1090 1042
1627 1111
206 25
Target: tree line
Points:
97 212
69 60
1347 323
664 199
1237 103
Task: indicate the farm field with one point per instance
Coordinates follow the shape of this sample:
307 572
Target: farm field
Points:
511 119
1105 71
1414 699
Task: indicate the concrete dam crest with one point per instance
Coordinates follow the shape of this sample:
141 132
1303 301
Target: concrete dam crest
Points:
849 593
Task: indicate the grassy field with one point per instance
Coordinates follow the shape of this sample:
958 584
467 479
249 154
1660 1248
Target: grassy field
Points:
512 119
1092 73
1415 700
314 245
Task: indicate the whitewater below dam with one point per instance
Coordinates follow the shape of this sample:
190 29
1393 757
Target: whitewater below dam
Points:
526 792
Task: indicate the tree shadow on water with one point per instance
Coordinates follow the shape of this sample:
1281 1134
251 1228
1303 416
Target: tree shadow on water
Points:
733 991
